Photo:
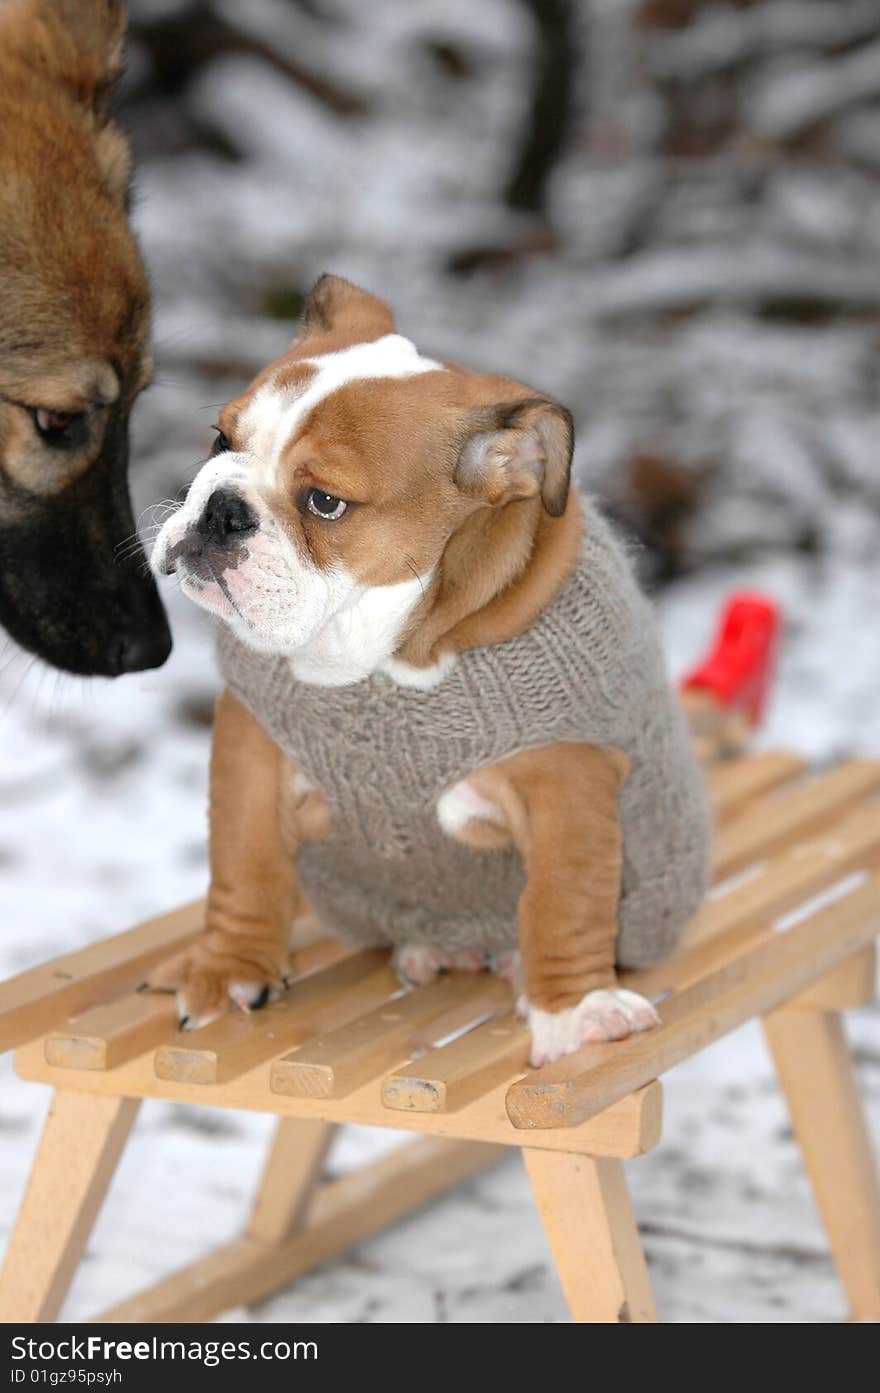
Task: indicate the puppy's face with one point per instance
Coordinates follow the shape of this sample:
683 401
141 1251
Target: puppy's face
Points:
344 469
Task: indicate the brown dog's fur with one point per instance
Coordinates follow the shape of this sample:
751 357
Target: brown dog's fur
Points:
74 338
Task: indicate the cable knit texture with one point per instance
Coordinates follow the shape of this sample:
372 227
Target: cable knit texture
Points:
589 670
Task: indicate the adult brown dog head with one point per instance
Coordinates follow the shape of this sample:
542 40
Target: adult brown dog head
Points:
74 347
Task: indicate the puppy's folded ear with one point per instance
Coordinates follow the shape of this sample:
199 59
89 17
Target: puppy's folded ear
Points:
516 450
337 307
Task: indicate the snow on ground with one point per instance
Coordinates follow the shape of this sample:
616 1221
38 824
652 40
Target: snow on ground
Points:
102 786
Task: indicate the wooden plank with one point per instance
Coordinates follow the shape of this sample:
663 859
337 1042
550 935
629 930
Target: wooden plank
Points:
585 1208
75 1162
630 1128
236 1043
108 1035
775 819
35 1001
743 916
447 1078
332 1065
755 982
345 1212
734 782
853 983
816 1072
794 875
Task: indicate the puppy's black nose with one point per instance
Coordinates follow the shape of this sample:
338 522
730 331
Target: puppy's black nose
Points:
224 516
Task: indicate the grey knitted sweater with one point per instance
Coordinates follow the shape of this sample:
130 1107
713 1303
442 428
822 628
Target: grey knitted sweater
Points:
589 670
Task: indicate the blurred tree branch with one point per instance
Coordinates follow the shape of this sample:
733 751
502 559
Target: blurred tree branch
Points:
180 44
543 139
552 104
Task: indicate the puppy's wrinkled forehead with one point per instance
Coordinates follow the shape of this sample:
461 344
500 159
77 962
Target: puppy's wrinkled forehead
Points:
278 409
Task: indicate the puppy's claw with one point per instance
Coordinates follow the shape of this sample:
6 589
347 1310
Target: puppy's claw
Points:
215 972
253 996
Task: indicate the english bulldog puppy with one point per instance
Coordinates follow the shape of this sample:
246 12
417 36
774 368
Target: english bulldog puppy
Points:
446 720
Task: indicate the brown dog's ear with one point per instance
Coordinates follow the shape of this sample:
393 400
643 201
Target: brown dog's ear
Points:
517 450
337 307
80 43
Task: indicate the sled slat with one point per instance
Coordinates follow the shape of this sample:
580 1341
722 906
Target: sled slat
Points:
745 915
36 1001
108 1035
451 1076
795 874
759 979
242 1040
116 1031
775 819
853 983
331 1065
734 782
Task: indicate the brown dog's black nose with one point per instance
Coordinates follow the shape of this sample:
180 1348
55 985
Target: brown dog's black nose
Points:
143 640
224 516
136 652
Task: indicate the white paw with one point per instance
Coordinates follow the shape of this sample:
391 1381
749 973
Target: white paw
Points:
405 675
416 964
608 1014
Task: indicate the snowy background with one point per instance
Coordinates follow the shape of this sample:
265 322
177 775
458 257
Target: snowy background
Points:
665 213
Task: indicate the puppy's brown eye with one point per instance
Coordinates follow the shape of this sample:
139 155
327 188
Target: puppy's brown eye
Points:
221 444
65 430
325 505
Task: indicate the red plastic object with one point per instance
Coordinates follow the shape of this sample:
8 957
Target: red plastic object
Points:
739 668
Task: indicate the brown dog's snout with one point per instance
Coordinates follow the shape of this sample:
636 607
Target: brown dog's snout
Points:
145 640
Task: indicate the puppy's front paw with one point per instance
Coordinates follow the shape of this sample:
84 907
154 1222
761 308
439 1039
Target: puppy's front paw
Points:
608 1014
417 964
217 969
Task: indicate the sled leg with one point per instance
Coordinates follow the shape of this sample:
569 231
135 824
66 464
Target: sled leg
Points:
78 1154
815 1069
587 1215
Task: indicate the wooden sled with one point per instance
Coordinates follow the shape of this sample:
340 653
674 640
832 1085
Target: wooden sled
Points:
791 942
